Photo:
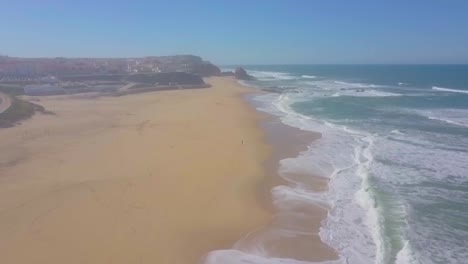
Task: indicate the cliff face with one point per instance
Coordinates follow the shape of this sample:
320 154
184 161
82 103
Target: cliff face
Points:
188 63
205 69
177 59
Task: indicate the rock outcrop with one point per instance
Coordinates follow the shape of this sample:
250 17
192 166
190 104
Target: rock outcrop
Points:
187 63
205 69
241 74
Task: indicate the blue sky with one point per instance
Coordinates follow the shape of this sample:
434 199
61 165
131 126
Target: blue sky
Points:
240 31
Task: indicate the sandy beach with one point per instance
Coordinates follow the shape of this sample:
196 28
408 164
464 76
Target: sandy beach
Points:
160 177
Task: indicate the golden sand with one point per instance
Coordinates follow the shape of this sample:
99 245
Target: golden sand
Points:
158 177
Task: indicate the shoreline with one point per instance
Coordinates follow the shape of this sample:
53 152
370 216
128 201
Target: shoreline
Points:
287 142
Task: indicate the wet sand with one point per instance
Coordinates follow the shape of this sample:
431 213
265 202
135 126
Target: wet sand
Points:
160 177
279 237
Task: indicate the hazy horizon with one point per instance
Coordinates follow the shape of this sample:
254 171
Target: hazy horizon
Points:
241 32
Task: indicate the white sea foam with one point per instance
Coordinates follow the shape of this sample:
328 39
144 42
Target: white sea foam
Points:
418 159
458 117
375 93
233 256
309 76
397 132
406 255
337 88
442 89
264 75
356 85
354 225
366 93
333 156
415 154
271 75
288 198
463 122
365 198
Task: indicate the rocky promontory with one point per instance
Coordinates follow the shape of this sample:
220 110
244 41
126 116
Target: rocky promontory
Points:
205 69
242 74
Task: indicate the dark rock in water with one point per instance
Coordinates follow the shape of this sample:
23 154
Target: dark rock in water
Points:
241 74
272 89
281 89
166 78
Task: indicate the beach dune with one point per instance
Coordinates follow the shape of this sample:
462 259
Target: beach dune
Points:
160 177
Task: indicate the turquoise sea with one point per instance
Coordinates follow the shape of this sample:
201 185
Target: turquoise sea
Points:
394 147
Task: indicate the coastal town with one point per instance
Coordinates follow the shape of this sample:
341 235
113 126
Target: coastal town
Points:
27 69
70 75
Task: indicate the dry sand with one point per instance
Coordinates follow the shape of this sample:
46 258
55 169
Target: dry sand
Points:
149 178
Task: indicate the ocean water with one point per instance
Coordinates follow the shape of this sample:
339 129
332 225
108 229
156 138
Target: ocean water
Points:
394 147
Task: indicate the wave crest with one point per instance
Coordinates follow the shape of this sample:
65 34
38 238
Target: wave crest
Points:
442 89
